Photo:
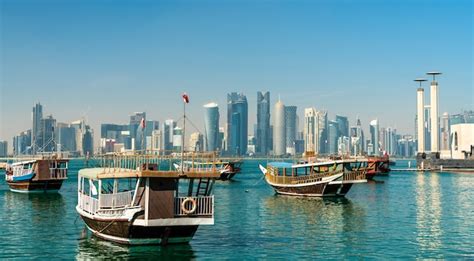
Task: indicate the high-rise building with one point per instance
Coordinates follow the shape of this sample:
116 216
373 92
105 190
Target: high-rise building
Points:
136 132
46 132
237 124
374 138
427 126
279 130
445 131
177 139
84 138
167 135
36 138
262 134
65 137
291 128
311 122
343 125
333 137
196 142
357 139
323 132
3 148
22 143
155 142
211 127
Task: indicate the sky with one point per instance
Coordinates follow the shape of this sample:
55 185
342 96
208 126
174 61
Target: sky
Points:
103 60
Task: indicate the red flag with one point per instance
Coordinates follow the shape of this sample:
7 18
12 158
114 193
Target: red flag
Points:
142 123
185 98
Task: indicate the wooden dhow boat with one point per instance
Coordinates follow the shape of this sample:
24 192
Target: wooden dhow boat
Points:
333 178
228 168
45 174
143 199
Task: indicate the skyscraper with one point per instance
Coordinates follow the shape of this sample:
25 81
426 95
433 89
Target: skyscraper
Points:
310 130
343 126
323 132
3 148
167 135
357 139
332 137
22 143
211 127
46 132
279 130
445 131
237 123
374 137
136 131
262 145
36 139
291 127
65 137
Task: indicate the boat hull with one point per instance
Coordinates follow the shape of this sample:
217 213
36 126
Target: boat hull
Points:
124 232
316 190
31 186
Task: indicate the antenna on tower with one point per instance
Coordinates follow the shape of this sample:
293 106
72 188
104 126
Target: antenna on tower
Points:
433 73
420 80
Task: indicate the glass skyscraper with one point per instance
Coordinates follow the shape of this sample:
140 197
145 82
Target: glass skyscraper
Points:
36 139
211 127
291 125
262 133
237 123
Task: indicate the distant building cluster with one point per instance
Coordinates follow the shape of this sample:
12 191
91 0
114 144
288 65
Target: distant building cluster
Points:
276 133
49 136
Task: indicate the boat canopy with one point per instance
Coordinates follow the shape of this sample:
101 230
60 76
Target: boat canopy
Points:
281 164
108 173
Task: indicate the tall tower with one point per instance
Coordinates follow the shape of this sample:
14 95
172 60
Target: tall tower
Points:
279 130
263 123
237 123
434 112
36 137
310 130
211 126
420 110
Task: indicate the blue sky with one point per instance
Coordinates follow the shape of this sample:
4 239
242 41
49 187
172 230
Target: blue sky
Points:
103 60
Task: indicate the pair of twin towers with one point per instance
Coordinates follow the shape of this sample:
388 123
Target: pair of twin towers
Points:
434 112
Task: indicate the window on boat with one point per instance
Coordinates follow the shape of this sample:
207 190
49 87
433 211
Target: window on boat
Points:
123 185
62 165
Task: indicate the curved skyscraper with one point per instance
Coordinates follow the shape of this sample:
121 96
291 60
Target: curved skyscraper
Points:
237 123
211 126
279 130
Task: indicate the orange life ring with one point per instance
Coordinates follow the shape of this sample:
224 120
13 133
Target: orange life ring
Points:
186 210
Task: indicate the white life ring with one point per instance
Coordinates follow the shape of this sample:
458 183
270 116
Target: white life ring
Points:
186 210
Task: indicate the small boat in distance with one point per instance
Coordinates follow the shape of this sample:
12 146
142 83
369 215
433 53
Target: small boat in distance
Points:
142 199
227 168
333 178
44 174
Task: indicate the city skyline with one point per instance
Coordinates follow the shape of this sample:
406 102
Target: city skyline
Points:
109 69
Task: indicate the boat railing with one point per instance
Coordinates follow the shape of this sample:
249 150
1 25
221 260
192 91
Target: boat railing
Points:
354 175
116 200
120 162
273 177
204 206
58 173
88 203
17 171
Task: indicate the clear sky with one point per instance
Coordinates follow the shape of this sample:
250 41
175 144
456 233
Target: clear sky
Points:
103 60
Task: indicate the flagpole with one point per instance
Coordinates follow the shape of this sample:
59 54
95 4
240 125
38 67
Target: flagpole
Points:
184 132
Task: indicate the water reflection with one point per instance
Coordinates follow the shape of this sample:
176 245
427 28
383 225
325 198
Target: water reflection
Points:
95 248
428 214
315 222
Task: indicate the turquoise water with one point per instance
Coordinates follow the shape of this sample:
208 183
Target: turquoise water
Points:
404 215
